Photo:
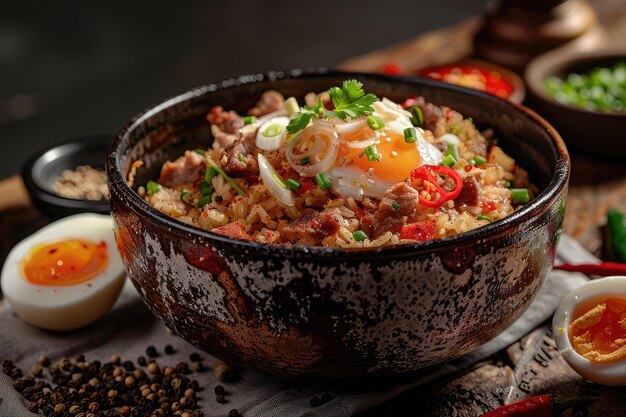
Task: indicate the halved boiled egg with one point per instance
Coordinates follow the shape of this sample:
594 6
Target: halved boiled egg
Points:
66 275
590 330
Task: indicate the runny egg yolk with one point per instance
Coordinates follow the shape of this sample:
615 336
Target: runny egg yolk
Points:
397 157
598 332
65 262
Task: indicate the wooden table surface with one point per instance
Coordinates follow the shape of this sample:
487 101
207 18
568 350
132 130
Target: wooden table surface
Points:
531 366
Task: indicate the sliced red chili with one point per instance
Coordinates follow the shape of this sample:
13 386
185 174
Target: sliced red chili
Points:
420 231
427 173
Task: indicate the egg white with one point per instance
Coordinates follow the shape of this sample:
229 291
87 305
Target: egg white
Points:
611 373
70 306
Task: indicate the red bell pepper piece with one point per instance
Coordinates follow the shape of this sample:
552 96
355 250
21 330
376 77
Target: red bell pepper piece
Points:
420 231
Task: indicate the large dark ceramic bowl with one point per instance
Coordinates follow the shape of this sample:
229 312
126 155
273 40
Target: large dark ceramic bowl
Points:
315 312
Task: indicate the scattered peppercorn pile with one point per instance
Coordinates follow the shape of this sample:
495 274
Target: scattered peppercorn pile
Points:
81 388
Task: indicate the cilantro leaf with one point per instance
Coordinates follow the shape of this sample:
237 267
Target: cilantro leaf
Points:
300 121
350 102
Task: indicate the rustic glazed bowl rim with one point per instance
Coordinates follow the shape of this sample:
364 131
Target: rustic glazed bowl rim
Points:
550 63
532 210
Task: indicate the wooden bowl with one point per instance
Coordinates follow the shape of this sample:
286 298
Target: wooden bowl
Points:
594 132
311 312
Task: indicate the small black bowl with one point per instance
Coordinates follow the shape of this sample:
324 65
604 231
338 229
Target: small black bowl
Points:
42 169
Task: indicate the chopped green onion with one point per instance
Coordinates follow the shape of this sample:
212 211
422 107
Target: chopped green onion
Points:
205 188
452 151
520 195
292 106
418 116
200 151
375 122
483 217
228 180
395 205
410 135
507 184
240 157
448 161
183 194
359 235
455 129
248 120
293 184
322 181
305 160
478 160
371 153
152 187
209 174
204 201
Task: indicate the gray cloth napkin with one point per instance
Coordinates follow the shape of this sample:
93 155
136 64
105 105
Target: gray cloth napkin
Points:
129 328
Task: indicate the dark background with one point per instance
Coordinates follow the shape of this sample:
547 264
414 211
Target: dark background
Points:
72 68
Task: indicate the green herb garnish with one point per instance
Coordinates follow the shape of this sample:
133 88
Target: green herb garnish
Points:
372 153
349 100
375 122
200 151
323 181
520 195
152 187
184 194
204 201
395 205
212 171
478 160
293 184
410 135
448 161
359 235
483 217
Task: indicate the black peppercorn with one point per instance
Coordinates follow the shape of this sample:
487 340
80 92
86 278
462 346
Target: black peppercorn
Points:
234 413
129 366
220 399
169 349
182 368
219 390
142 361
152 352
195 357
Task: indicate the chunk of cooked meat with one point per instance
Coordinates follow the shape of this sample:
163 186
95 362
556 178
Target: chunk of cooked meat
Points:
396 207
316 225
269 102
226 121
433 115
470 193
183 171
238 159
234 229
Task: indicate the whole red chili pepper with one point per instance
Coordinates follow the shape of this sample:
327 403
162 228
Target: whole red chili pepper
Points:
430 183
545 405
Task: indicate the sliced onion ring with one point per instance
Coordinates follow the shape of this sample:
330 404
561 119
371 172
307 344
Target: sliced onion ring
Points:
340 126
274 183
268 116
325 142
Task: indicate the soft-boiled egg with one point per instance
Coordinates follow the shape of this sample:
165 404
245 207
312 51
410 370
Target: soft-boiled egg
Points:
66 275
341 150
590 330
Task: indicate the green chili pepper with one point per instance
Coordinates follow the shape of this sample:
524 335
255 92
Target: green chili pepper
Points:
616 235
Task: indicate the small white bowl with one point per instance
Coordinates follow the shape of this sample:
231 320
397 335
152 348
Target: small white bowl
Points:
612 373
